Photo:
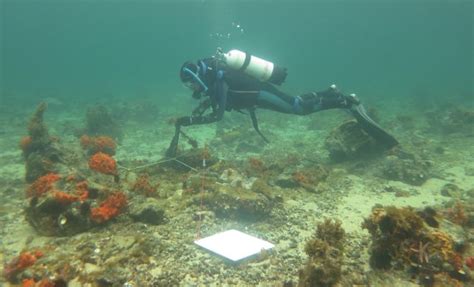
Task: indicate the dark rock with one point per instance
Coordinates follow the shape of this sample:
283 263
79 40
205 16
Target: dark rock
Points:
147 212
286 181
238 203
51 218
349 141
451 190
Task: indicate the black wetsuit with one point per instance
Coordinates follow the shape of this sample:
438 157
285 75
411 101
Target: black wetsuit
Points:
234 90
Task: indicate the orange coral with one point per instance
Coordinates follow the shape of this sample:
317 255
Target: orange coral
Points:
20 263
42 184
25 143
28 283
109 208
82 190
103 144
142 184
103 163
83 195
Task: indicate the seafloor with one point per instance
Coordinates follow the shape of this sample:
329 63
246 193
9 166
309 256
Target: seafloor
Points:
279 192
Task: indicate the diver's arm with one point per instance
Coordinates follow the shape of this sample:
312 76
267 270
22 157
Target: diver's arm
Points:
202 108
197 120
217 114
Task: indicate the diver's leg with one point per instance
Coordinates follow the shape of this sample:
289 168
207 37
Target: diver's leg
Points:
332 98
305 104
313 102
272 101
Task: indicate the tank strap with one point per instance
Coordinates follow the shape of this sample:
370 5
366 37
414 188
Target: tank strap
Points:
246 61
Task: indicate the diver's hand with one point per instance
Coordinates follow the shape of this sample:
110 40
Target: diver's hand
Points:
184 121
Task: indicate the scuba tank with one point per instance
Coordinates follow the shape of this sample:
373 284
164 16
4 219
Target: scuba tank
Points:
255 67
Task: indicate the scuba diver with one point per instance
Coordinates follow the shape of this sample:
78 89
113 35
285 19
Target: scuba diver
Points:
240 81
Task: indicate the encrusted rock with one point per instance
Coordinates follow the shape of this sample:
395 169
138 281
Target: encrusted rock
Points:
308 178
147 212
51 218
406 168
349 141
235 179
238 203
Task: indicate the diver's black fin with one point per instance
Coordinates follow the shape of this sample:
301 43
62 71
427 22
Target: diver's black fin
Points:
372 128
173 148
255 124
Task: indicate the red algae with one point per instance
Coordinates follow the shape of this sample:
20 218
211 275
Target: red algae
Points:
65 198
109 208
470 262
142 184
103 144
20 263
103 163
42 184
28 282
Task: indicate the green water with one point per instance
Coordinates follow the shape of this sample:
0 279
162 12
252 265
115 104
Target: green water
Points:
93 49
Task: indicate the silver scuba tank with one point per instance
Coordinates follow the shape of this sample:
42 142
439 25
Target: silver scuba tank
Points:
255 67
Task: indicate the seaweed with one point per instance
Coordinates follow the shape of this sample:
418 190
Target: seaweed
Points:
99 122
401 238
325 252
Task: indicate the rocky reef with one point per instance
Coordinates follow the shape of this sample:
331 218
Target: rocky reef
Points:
403 238
406 167
67 193
40 150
